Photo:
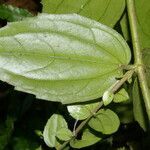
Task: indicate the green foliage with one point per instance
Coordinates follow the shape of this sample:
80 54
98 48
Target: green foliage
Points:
105 121
108 96
65 58
81 112
124 23
64 134
107 12
88 138
138 106
77 69
54 124
121 96
146 58
11 13
143 15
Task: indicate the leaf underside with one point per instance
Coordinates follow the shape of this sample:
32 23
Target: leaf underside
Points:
63 58
54 124
107 12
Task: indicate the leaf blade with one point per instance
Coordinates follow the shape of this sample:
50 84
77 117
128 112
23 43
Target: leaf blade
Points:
107 12
61 64
55 123
105 121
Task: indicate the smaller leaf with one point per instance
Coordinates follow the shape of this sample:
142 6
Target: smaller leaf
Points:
105 121
138 106
121 96
55 123
125 27
107 97
64 134
88 138
11 13
81 112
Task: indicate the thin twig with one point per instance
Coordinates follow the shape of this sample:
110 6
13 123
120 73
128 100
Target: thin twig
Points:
119 83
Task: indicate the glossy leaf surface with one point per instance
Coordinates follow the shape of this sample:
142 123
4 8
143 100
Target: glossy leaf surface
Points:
54 124
105 121
64 58
107 97
81 112
107 12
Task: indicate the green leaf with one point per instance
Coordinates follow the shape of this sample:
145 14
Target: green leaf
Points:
138 106
107 97
54 124
124 23
107 12
11 13
143 15
64 134
64 58
121 96
88 138
146 59
105 121
81 112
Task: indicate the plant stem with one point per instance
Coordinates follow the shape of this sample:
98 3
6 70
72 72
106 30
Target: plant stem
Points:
118 84
80 127
138 55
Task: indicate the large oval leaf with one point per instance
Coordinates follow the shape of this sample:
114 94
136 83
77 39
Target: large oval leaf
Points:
104 11
64 58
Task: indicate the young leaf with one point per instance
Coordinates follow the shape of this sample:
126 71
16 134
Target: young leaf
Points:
105 121
107 97
64 58
107 12
88 138
11 13
64 134
81 112
121 96
54 124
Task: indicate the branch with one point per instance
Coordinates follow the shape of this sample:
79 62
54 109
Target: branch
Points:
138 55
118 84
